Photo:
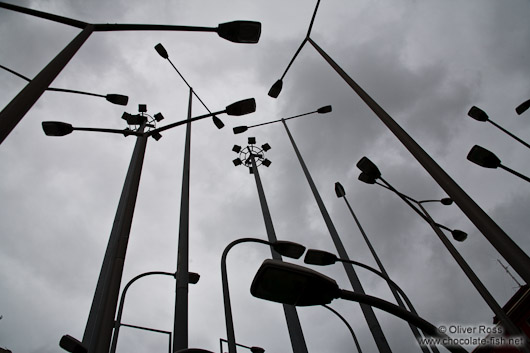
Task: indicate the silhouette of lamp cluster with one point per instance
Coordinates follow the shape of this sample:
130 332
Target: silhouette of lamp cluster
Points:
246 154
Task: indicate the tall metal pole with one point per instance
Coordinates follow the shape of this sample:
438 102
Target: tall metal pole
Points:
291 315
100 321
11 115
414 329
511 252
367 310
180 328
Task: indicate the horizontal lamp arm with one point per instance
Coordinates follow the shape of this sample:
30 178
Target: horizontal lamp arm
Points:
102 27
45 15
182 122
112 131
275 121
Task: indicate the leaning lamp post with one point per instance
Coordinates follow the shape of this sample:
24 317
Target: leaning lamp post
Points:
288 283
10 116
511 252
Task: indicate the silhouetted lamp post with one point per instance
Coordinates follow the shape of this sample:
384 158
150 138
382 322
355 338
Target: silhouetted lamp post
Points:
194 278
113 98
480 115
341 193
180 329
307 288
236 31
281 247
511 252
251 157
484 158
371 173
373 324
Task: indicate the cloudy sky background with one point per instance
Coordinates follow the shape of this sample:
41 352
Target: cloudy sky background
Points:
426 63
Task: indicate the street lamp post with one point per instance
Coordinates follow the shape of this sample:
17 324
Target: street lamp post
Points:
339 190
285 248
373 172
511 252
313 288
359 350
118 323
10 116
248 158
368 312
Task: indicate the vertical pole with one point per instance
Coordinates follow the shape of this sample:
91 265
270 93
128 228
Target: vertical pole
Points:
511 252
100 321
11 115
367 310
414 329
291 315
180 329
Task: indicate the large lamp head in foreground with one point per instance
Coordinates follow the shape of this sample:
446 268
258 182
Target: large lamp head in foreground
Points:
291 284
243 107
459 235
56 128
483 157
276 88
368 167
240 31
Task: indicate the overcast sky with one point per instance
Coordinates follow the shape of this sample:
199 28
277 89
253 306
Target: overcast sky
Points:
425 62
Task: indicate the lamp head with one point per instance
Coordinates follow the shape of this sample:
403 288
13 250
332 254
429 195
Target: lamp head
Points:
339 190
522 107
266 147
72 345
237 162
158 117
477 114
446 201
56 128
276 88
240 31
324 110
319 257
257 349
459 235
161 51
365 178
218 123
251 140
291 284
288 248
118 99
157 136
136 119
240 129
243 107
236 148
266 162
368 167
483 157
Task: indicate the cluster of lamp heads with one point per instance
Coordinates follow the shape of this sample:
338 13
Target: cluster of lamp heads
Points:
135 121
251 152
